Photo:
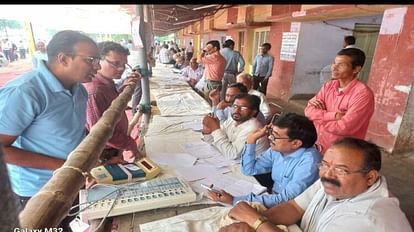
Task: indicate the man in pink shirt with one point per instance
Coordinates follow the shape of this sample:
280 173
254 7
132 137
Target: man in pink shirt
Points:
344 105
101 93
214 65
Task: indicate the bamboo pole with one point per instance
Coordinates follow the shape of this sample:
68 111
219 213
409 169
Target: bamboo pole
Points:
52 203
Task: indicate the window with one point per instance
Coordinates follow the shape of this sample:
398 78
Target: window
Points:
260 36
240 48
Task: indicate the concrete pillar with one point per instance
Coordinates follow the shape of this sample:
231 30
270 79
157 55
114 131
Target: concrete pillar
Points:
391 78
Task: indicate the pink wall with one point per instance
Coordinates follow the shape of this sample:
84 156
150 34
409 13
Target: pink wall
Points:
391 78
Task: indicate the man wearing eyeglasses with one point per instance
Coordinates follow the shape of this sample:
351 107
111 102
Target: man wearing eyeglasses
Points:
229 138
42 113
101 93
291 159
351 195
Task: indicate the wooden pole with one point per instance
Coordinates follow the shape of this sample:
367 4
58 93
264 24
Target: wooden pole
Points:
8 214
52 203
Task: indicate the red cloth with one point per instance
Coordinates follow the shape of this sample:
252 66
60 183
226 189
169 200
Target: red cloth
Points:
356 101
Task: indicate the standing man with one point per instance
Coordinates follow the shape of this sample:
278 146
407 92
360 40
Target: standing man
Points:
234 65
101 93
43 112
39 55
349 41
22 49
262 68
189 51
214 64
344 105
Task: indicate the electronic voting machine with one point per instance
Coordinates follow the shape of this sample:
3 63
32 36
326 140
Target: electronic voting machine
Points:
111 200
143 169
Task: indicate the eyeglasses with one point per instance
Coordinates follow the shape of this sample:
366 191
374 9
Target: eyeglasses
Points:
241 108
117 65
273 137
93 60
339 171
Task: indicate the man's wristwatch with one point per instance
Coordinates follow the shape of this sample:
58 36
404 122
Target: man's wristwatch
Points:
258 223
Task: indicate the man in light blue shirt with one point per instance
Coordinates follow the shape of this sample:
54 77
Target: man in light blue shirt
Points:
291 158
234 65
43 112
39 55
262 68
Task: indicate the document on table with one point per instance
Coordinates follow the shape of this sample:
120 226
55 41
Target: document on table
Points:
232 185
219 161
201 150
174 159
198 172
196 126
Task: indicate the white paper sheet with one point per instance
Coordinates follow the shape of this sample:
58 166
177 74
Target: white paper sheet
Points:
174 159
198 172
201 150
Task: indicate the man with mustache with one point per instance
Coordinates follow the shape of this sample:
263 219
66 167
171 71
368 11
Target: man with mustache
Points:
291 160
351 195
222 109
101 93
230 137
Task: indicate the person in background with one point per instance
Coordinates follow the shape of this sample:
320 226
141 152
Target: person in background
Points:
351 195
292 160
101 93
43 113
246 80
343 106
189 51
39 55
192 73
349 42
230 137
262 68
234 65
22 50
214 65
164 55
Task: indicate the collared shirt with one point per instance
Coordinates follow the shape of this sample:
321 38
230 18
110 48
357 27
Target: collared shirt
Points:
214 65
46 118
164 56
101 93
233 60
264 105
229 140
224 114
263 65
189 49
189 73
292 173
372 210
356 100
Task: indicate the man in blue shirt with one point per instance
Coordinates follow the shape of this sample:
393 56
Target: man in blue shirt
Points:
262 68
234 65
291 158
43 112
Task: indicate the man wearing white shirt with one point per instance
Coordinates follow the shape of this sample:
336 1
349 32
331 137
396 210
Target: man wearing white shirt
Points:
230 137
246 80
351 195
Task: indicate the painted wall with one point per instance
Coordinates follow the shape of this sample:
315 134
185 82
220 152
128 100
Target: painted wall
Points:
317 46
392 75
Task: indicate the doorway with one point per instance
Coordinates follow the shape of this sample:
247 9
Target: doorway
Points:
366 36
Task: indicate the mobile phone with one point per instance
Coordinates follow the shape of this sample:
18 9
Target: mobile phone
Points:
211 189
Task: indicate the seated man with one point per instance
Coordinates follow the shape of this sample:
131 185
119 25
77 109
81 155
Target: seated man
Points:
291 158
351 195
222 109
229 138
192 73
247 80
